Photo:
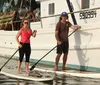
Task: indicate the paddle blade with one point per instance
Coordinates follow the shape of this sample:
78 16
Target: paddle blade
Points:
32 67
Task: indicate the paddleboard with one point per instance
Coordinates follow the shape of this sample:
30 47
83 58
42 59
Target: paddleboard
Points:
25 76
43 74
72 73
33 75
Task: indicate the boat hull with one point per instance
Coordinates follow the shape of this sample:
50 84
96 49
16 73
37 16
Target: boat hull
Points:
84 47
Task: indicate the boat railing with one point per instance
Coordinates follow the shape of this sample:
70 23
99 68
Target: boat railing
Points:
82 10
6 20
12 20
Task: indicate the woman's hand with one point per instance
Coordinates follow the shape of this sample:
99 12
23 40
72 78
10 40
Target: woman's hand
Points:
34 33
20 46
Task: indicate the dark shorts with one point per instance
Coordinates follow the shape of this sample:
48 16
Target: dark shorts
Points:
63 48
26 49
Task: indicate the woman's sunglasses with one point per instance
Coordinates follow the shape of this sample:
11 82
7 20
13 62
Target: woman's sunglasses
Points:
25 22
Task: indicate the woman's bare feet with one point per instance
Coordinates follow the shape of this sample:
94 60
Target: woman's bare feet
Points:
27 72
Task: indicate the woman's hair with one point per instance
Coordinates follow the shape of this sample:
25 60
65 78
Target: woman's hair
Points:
23 21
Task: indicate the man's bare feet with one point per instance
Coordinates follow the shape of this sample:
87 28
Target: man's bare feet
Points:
56 68
64 68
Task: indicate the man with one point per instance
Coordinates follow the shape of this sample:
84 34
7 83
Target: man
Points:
61 34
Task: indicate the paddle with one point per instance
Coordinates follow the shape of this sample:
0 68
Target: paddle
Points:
33 66
16 52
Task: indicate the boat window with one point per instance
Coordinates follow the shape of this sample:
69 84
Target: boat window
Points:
85 4
51 8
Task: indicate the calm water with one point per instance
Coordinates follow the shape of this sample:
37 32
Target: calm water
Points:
58 79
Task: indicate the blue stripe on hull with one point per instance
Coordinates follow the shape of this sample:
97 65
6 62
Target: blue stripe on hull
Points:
70 66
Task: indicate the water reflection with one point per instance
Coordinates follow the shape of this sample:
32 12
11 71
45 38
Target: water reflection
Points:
33 83
24 83
73 80
60 80
63 80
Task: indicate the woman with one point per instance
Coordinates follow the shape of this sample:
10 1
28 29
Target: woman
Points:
24 44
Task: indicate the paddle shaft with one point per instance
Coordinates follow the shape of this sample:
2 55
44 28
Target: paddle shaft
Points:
48 53
15 52
41 58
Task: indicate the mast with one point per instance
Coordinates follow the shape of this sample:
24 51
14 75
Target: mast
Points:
71 10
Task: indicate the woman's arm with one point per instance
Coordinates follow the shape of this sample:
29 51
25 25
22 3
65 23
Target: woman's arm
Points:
17 38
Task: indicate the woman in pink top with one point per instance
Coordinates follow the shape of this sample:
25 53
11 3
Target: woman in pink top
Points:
24 33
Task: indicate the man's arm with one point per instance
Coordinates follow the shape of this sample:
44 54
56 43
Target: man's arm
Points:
57 33
75 27
57 38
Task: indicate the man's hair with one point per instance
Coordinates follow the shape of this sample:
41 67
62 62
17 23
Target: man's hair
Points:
60 18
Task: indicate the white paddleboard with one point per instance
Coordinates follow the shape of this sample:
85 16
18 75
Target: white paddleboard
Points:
12 72
72 73
24 76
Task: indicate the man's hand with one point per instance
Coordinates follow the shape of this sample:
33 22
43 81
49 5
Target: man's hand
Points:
59 42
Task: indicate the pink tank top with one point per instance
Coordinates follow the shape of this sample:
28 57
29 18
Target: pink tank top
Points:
25 35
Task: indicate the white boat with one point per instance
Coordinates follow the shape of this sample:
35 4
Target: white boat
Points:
84 44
